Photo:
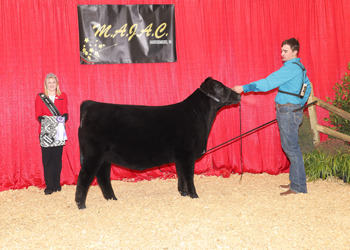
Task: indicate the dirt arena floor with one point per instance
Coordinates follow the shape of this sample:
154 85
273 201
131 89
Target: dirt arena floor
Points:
152 215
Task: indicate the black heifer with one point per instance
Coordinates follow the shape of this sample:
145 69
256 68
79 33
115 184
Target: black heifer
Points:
142 137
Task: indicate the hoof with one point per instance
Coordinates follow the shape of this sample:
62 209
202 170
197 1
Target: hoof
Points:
183 193
81 206
194 196
112 198
48 191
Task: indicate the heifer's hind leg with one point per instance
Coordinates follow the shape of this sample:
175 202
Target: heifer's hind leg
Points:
89 168
185 173
84 180
104 181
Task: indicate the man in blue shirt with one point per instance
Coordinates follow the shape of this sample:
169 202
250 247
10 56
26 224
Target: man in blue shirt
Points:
293 91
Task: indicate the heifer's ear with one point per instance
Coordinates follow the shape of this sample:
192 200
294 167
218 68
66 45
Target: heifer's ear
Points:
207 82
208 79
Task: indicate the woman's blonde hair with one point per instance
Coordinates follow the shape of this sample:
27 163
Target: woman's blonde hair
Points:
48 76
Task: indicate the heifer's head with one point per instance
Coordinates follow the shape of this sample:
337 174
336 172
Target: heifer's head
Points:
219 92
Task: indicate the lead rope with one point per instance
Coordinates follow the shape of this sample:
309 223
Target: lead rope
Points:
250 131
240 132
241 135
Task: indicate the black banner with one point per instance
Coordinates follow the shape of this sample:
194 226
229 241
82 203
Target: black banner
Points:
126 34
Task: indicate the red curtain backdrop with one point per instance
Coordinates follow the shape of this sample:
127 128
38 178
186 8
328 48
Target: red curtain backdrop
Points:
235 42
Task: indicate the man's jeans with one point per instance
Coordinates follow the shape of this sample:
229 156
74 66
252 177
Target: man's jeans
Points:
288 124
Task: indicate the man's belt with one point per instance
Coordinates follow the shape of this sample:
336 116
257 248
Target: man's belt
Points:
281 105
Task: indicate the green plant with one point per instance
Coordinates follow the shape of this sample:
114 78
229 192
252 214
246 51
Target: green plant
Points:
330 158
342 101
319 165
346 171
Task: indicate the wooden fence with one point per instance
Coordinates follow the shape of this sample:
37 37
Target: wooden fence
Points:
316 128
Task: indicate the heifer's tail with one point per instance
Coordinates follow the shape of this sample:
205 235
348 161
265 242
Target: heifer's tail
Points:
83 110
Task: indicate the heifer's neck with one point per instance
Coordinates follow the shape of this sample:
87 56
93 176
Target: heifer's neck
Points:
206 109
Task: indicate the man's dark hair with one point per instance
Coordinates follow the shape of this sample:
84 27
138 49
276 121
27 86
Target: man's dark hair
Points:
293 43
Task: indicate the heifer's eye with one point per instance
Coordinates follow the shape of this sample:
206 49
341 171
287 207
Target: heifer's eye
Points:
218 87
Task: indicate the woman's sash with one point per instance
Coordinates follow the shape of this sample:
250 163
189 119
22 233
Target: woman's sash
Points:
53 132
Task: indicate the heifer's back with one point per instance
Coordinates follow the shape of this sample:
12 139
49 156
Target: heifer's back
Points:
141 137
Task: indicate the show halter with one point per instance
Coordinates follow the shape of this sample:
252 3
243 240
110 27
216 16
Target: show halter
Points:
215 98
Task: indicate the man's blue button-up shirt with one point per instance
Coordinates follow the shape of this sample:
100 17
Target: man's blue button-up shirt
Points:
288 78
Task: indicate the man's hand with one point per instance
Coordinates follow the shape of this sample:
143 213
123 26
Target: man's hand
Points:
238 89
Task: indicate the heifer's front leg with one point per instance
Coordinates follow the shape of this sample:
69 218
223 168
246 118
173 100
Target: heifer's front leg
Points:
185 173
181 186
103 177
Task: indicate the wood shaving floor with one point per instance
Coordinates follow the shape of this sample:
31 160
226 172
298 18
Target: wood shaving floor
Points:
152 215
